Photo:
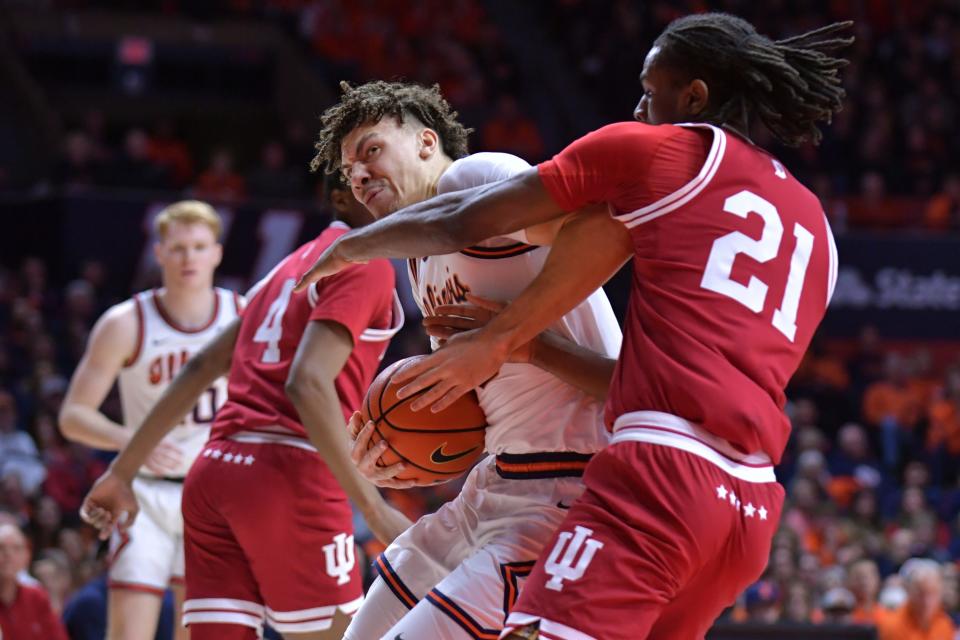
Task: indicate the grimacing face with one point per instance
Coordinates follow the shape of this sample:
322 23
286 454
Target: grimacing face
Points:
188 255
386 163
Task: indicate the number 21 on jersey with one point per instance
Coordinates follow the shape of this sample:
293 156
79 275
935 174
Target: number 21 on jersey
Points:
753 295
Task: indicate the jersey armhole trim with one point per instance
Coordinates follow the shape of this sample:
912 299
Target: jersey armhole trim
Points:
687 192
236 303
396 323
132 360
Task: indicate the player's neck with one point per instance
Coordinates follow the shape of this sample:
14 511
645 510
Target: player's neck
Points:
442 166
190 308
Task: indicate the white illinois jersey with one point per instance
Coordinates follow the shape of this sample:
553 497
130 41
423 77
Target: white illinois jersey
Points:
528 409
163 348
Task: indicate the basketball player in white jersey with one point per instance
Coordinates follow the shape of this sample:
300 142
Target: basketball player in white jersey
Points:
141 344
455 573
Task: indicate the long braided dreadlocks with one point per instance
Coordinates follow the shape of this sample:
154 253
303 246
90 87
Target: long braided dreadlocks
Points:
371 102
790 84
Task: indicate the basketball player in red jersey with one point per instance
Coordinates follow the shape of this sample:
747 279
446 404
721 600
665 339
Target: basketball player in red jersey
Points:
268 530
734 264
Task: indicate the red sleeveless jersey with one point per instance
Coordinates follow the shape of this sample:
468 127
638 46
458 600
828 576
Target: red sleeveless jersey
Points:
361 298
733 272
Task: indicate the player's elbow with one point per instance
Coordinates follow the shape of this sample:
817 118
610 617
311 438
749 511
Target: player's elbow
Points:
68 422
304 385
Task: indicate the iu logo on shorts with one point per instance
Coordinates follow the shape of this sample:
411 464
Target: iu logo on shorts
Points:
571 567
340 557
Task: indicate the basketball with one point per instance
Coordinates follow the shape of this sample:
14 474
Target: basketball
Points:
436 447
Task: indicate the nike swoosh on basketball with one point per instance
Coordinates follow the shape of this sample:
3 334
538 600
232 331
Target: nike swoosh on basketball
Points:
439 457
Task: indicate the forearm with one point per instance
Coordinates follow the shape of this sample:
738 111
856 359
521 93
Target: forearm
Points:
177 400
574 269
578 366
319 408
87 426
452 221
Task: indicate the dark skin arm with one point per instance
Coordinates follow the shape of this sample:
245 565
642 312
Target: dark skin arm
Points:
112 495
572 271
443 224
323 351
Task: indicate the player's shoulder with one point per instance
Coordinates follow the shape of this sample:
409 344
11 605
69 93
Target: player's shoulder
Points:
479 169
126 315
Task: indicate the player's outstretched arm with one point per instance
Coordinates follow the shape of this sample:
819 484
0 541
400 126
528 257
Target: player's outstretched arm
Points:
443 224
112 341
111 496
323 351
588 250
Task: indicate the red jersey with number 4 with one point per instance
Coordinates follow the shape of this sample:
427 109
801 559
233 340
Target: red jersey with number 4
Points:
732 273
361 298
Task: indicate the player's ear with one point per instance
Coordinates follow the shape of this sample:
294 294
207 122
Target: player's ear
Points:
218 250
695 97
158 251
429 143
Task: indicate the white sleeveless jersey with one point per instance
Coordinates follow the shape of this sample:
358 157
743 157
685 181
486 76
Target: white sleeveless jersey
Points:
528 410
162 349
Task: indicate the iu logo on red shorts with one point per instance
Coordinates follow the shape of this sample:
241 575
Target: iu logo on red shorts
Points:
340 557
577 549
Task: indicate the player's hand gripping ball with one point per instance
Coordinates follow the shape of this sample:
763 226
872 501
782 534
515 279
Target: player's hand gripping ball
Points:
434 447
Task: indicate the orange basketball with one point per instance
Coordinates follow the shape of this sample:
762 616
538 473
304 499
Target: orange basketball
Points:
436 447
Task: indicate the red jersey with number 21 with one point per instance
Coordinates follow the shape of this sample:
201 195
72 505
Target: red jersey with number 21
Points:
360 298
732 273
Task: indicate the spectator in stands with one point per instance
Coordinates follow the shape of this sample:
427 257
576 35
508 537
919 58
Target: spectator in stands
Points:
169 151
798 604
762 602
52 569
274 178
510 131
78 168
943 210
134 168
220 183
19 458
863 581
922 616
837 606
891 405
943 431
25 611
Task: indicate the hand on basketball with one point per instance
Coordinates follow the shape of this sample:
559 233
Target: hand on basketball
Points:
110 502
466 361
331 261
452 319
165 459
365 457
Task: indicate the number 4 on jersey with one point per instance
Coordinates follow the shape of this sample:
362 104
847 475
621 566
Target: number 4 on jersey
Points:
753 295
271 329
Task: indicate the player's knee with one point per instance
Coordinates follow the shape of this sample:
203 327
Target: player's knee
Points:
529 632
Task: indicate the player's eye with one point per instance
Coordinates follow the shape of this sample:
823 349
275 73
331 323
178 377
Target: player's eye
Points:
372 149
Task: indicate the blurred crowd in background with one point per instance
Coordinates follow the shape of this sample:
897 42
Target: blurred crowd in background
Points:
872 472
887 161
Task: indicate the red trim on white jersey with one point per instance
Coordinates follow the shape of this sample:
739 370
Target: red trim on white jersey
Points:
176 326
687 192
132 360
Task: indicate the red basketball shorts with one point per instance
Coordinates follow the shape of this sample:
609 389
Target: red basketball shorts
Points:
668 532
268 535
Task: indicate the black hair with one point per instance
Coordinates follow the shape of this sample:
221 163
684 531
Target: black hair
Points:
790 84
371 102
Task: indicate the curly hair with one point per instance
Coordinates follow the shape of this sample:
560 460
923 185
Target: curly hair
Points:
790 84
371 102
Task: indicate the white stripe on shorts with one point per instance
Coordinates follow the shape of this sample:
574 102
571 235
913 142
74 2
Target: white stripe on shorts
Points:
668 430
547 627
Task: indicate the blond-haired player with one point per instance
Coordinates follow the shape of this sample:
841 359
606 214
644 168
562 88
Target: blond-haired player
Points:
141 343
